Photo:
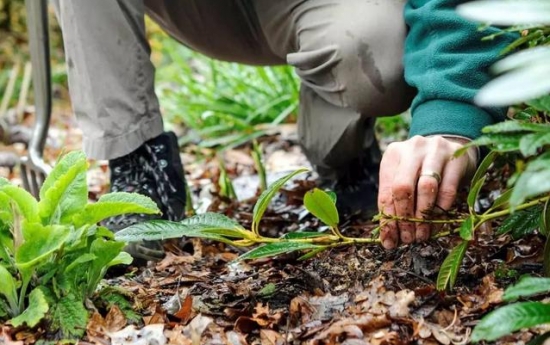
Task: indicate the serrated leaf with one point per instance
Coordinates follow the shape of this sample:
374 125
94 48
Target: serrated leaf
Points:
521 222
105 251
321 205
511 318
40 242
267 195
162 229
70 316
65 193
114 204
36 311
26 204
525 287
483 167
302 235
274 249
467 229
8 288
531 143
503 200
474 192
450 267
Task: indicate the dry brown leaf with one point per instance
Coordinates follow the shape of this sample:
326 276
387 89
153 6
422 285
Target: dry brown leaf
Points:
5 337
184 314
96 326
270 337
115 319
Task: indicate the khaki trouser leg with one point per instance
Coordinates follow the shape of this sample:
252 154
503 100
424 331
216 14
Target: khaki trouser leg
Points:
348 55
111 77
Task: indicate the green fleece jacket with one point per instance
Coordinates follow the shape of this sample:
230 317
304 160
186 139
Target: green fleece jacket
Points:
447 62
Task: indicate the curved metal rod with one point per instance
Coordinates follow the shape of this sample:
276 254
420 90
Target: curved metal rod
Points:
37 18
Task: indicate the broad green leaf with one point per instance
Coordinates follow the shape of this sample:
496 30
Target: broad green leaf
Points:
105 251
68 193
267 195
531 143
162 229
114 204
40 242
122 258
534 181
511 318
515 126
6 214
84 258
35 312
521 222
321 205
507 12
216 223
474 192
301 235
8 288
70 316
274 249
267 290
500 142
333 196
450 267
26 204
525 287
502 200
483 167
6 243
467 229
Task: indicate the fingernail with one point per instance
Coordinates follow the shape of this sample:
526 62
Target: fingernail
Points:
388 244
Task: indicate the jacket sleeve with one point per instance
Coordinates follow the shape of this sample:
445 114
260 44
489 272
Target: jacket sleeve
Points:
447 62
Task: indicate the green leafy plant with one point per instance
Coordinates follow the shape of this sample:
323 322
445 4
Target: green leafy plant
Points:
53 253
225 104
516 316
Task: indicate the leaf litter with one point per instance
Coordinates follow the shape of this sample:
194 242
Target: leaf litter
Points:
354 295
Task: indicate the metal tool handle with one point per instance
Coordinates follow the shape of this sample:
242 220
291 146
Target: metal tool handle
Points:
37 19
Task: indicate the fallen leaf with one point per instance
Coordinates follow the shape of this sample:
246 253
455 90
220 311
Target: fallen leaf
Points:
184 314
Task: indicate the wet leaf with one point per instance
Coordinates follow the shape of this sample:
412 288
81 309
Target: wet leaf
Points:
450 267
511 318
321 205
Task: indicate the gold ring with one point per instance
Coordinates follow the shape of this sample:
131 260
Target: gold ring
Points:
432 174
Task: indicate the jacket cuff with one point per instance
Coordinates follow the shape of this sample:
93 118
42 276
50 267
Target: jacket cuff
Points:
446 117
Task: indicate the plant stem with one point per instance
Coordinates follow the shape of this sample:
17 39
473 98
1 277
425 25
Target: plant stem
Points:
489 216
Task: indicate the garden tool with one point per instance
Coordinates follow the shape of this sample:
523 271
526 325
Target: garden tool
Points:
33 168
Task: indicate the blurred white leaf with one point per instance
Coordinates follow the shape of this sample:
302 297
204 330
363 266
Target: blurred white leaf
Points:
507 12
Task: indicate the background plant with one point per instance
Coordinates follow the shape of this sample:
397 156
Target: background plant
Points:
53 253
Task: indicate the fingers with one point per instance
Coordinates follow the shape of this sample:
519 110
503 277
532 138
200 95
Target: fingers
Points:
389 233
404 189
427 193
415 176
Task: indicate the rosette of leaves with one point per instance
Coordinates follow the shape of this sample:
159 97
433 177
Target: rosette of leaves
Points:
53 252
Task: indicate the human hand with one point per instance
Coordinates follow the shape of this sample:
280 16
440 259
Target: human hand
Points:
417 175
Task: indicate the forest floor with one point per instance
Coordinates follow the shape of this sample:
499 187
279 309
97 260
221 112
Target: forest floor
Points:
353 295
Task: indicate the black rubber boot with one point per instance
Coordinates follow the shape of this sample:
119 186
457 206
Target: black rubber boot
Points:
154 170
356 184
